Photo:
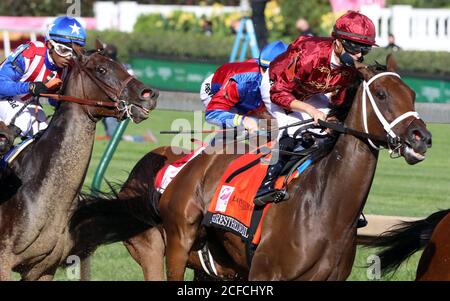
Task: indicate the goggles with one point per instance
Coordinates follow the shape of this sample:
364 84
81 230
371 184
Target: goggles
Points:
61 49
354 47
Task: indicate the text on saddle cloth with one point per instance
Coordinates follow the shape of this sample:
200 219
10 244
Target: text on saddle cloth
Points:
232 205
232 208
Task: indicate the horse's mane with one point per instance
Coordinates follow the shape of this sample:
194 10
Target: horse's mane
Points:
92 51
341 111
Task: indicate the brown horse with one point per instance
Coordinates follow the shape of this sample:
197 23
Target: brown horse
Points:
40 194
312 235
405 239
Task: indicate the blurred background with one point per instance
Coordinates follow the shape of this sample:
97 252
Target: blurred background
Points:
174 45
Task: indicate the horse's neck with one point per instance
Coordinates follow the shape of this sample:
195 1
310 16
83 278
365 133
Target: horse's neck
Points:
58 161
353 163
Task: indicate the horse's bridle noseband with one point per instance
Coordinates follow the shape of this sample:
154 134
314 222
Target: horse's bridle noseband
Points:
393 140
117 106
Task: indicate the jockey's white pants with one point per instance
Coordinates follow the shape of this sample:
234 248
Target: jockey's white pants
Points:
30 121
319 101
205 91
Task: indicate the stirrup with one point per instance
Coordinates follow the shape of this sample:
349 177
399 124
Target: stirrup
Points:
274 196
362 221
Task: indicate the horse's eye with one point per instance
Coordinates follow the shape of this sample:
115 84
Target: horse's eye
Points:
380 94
101 70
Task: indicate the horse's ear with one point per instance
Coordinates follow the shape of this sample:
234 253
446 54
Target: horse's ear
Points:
391 63
79 50
98 45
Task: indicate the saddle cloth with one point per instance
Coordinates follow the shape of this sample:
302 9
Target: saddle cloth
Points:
232 208
14 152
166 174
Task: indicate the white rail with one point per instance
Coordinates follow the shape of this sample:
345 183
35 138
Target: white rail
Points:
413 28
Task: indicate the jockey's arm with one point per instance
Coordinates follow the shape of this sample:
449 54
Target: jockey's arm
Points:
281 92
218 109
10 74
301 106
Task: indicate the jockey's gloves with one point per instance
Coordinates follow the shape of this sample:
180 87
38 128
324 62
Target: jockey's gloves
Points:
38 88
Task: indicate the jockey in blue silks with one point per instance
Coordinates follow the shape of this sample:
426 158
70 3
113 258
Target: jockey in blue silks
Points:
24 73
233 91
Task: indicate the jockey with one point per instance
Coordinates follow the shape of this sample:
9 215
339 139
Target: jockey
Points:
315 66
233 91
34 69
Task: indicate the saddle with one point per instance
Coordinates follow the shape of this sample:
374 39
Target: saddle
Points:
232 207
9 156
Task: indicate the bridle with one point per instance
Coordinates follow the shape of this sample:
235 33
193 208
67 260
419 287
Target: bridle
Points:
119 105
393 140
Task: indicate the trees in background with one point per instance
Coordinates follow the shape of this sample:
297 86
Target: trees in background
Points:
312 11
43 7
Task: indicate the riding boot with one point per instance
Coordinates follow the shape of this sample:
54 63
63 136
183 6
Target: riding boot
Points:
15 131
286 143
362 221
11 137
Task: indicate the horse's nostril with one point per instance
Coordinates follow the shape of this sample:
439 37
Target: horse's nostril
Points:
417 135
146 93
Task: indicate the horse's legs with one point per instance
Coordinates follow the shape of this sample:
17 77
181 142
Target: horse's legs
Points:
176 259
46 277
5 273
5 266
180 239
181 229
36 275
148 249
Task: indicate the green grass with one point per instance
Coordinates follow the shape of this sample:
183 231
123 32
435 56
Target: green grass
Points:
398 189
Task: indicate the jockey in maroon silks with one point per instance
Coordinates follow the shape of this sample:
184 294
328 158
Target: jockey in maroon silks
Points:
316 65
233 92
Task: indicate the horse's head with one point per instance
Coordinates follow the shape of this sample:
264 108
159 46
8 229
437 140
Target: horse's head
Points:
387 105
108 79
6 138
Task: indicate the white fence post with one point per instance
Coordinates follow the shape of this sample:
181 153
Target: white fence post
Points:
400 25
106 15
128 13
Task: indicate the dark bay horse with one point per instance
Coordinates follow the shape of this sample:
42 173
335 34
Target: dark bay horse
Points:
431 234
6 137
310 236
39 196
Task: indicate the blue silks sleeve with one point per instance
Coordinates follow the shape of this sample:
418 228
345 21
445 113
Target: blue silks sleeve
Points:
11 72
223 118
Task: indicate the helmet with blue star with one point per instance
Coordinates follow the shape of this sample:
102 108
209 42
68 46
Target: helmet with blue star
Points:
66 30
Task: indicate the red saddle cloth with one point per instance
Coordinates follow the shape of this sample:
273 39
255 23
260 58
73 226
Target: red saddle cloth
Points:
232 208
166 174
